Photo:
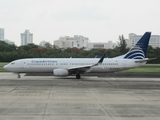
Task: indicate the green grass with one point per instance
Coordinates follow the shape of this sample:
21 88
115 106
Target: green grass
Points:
2 70
142 70
152 65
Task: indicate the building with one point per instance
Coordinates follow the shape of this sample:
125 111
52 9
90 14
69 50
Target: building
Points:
103 45
133 38
26 37
3 39
1 33
8 42
77 41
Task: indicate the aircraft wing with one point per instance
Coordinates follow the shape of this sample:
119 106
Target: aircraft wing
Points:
80 67
84 67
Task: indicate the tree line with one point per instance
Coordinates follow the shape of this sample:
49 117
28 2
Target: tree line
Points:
9 53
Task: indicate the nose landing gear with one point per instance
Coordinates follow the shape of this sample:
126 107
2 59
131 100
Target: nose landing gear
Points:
18 76
78 76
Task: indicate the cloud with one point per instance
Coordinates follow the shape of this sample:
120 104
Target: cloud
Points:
87 13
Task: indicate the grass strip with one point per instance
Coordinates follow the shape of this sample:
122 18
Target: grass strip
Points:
142 70
152 65
2 70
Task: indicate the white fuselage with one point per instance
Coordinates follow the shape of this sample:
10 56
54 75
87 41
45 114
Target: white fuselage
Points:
47 65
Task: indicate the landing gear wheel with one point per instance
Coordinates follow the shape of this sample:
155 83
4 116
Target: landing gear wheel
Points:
78 76
19 76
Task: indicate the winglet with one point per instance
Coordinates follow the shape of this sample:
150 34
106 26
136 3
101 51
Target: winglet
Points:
96 56
101 60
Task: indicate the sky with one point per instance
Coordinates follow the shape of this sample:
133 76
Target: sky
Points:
99 20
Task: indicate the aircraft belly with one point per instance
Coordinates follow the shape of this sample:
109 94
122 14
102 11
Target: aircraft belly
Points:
105 69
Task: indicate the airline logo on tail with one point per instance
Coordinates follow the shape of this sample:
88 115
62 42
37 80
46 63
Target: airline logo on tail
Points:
138 51
135 53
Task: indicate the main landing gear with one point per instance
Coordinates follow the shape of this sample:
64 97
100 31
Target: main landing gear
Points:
78 76
18 76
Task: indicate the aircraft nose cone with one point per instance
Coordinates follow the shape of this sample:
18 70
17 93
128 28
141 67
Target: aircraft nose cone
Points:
6 67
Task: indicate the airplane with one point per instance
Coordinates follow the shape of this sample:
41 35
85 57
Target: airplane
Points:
135 57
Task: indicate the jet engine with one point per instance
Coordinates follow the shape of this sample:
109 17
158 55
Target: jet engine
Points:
60 72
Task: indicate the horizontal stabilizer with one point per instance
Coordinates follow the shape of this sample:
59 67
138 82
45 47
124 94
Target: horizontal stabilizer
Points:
145 60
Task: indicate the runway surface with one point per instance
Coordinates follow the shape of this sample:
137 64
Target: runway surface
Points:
89 98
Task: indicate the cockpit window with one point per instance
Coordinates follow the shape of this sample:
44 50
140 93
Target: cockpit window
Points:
12 63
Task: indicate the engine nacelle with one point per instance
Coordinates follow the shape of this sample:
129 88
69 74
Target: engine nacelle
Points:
60 72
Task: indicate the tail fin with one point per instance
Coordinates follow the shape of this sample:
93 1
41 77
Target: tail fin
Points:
138 51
